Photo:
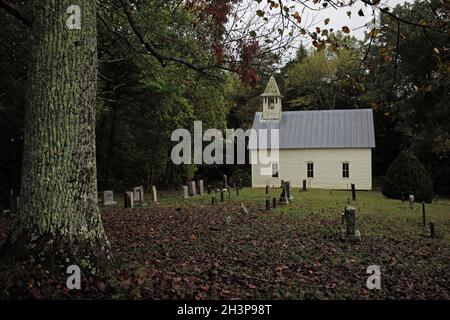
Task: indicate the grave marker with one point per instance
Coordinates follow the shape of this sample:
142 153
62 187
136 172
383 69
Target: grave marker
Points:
304 185
350 232
186 192
411 201
201 187
139 194
154 195
353 192
108 198
225 181
128 199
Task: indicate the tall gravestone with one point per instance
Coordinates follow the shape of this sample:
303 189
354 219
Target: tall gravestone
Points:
154 195
304 185
225 181
201 187
186 192
411 201
138 194
288 187
192 189
350 232
353 192
129 199
283 198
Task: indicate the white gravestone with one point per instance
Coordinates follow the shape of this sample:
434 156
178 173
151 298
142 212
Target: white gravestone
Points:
139 194
186 192
108 198
154 195
201 187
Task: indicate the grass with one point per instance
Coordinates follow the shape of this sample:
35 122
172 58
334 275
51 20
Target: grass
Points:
191 249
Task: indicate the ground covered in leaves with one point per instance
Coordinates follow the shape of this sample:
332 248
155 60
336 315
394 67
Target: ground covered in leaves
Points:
195 250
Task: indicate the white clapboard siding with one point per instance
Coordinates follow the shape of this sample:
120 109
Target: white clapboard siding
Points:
327 168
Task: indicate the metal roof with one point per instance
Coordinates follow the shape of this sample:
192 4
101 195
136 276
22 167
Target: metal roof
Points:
320 129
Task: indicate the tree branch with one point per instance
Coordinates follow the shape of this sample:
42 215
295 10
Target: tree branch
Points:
13 10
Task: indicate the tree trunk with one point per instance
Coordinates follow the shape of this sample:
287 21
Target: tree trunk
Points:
58 197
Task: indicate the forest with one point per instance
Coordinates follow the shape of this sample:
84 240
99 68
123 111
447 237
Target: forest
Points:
140 102
93 109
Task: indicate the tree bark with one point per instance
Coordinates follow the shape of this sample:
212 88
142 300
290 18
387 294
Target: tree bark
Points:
58 197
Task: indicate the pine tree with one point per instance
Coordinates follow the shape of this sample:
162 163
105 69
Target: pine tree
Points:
407 176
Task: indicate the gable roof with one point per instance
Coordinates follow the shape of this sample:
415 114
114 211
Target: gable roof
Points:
320 129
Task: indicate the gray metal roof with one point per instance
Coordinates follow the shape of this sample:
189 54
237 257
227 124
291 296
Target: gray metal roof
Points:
321 129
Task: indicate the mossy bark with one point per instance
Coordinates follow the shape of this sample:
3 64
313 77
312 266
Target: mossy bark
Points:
58 198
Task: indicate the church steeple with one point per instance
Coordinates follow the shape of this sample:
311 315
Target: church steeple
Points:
272 101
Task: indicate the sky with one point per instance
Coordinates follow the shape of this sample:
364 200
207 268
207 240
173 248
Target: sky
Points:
338 18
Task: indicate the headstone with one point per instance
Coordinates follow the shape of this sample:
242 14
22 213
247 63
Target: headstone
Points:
424 220
411 201
201 187
283 198
129 199
267 204
186 192
287 185
108 198
154 195
353 192
350 232
304 185
225 181
267 189
139 194
213 200
192 189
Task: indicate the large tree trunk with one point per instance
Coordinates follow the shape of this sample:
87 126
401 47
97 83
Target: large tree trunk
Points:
58 198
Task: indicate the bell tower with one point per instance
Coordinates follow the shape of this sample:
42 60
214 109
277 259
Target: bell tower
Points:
272 101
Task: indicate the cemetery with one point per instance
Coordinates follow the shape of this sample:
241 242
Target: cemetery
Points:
224 150
302 247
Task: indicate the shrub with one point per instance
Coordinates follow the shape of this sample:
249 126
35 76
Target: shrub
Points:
406 175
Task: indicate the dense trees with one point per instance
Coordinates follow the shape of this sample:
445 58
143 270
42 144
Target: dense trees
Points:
164 64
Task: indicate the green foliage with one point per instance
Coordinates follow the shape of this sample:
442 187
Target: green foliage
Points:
406 176
324 80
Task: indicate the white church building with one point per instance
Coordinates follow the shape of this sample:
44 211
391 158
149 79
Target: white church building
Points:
330 149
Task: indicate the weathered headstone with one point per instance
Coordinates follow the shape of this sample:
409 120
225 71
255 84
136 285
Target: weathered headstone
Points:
108 198
283 198
186 192
129 199
139 194
304 185
201 187
411 201
353 192
225 181
267 204
350 232
267 189
287 185
154 195
192 189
